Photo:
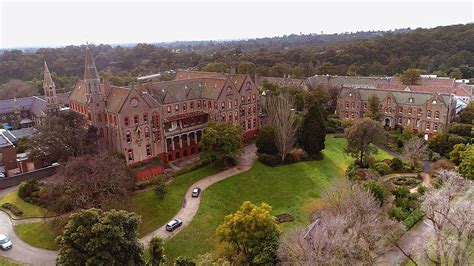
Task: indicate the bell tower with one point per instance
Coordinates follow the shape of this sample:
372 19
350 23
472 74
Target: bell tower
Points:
52 104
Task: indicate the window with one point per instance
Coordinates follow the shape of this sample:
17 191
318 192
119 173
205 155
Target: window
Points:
248 99
389 101
400 110
254 109
346 114
235 103
434 102
410 100
352 105
99 117
386 109
215 105
255 123
135 119
428 114
249 125
129 137
409 110
249 110
199 104
437 115
168 109
222 105
399 120
184 107
130 155
191 106
205 104
115 120
176 108
428 126
145 118
347 104
147 133
365 105
229 104
352 115
148 150
419 112
254 98
436 125
230 117
126 121
101 132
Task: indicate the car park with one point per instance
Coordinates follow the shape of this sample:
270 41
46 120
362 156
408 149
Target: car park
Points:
5 242
173 224
196 192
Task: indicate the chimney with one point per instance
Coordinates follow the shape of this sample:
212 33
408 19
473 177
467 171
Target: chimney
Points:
232 70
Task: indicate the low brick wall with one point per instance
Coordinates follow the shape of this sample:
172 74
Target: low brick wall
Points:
38 174
149 172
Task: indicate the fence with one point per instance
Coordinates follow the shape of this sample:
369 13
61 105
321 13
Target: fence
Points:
17 179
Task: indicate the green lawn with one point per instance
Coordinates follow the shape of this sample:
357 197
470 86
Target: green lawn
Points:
156 212
8 262
29 210
288 189
37 234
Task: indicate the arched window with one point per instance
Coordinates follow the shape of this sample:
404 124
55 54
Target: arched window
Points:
347 104
346 114
147 132
389 101
428 126
437 114
428 114
128 137
353 105
126 121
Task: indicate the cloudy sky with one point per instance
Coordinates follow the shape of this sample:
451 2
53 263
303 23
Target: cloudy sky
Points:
54 23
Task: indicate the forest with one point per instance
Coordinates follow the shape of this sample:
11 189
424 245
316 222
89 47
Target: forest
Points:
444 50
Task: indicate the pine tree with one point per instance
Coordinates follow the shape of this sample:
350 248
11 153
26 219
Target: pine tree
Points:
373 109
313 131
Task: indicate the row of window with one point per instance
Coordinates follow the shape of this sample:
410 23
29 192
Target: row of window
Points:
157 135
388 110
230 104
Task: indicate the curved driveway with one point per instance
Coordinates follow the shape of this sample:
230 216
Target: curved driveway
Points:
23 252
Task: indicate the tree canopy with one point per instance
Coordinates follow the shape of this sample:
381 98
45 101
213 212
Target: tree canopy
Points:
95 237
373 108
361 138
252 234
313 131
221 141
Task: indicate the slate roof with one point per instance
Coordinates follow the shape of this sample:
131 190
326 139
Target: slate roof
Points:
6 138
78 93
116 98
284 81
35 104
347 81
238 79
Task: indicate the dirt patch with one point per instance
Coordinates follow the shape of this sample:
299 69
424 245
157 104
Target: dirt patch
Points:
284 218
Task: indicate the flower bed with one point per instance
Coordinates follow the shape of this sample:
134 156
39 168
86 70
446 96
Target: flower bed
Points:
12 208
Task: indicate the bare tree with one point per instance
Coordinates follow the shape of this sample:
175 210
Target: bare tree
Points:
415 150
350 230
16 88
283 119
453 222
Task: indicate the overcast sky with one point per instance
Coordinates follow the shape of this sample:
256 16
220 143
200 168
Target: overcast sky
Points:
50 23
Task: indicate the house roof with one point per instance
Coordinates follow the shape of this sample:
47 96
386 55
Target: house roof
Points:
78 93
284 81
116 98
35 104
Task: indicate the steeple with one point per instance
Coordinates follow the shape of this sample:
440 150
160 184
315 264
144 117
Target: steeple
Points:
52 104
91 79
90 71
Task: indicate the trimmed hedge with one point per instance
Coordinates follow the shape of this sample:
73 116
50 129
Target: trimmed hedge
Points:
413 218
12 208
269 159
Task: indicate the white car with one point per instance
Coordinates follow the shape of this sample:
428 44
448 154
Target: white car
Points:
5 242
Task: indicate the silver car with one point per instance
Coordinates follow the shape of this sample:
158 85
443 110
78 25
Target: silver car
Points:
5 242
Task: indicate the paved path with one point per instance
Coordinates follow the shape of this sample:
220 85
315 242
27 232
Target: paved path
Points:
191 205
24 253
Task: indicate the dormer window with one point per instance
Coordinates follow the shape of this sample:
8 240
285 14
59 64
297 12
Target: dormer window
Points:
434 102
410 100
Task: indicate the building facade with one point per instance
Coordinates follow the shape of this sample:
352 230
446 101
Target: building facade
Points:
164 119
424 112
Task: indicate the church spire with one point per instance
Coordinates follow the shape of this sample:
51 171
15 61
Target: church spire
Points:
90 71
47 80
52 104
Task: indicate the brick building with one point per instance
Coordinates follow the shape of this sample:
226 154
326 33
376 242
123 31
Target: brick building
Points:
164 119
423 111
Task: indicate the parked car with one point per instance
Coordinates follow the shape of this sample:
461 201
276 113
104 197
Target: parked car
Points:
196 192
173 224
5 242
2 175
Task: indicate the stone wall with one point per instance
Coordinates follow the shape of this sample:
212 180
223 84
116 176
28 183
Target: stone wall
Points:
17 179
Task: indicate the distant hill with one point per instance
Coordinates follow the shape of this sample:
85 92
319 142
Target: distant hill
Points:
441 49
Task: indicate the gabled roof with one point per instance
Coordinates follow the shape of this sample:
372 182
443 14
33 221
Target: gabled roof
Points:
47 80
116 98
78 94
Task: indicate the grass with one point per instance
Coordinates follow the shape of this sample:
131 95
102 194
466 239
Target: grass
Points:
8 262
29 210
156 212
38 234
292 189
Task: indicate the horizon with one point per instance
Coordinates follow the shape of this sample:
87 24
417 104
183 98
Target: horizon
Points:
120 23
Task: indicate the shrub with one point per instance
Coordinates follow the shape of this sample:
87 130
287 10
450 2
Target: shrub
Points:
377 190
460 129
421 189
397 213
382 168
190 168
160 188
297 154
149 182
269 159
401 192
265 140
435 156
413 218
12 208
456 139
330 130
29 189
351 171
396 164
183 261
346 123
399 143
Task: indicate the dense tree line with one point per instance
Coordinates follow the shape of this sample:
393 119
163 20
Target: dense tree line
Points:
443 49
